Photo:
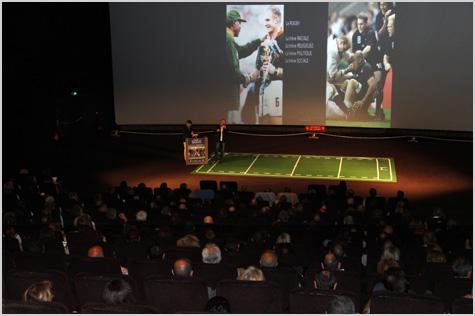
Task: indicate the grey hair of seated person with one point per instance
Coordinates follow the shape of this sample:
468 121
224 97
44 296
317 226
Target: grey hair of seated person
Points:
341 305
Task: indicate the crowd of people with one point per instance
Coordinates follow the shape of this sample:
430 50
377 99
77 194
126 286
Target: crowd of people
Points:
327 240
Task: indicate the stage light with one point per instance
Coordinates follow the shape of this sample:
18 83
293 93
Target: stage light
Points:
74 93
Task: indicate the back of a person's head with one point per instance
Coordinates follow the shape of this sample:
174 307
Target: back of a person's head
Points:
156 252
341 305
111 213
391 253
325 280
435 255
462 267
208 220
338 250
117 292
385 265
84 221
141 216
34 247
211 254
395 280
283 238
188 241
218 305
232 245
39 292
250 274
95 252
400 194
133 235
183 268
269 259
372 192
330 262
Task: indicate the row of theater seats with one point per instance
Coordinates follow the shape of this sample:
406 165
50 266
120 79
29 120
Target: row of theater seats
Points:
435 277
168 295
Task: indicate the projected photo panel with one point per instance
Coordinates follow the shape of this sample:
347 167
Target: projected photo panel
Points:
359 64
255 54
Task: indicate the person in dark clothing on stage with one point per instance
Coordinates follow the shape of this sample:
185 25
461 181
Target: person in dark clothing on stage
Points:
187 133
221 134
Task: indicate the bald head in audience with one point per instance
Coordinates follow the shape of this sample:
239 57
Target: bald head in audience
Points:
95 252
182 268
269 259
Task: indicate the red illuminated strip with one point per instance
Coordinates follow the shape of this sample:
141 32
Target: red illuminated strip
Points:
314 128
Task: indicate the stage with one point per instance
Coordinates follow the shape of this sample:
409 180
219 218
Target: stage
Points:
431 173
374 169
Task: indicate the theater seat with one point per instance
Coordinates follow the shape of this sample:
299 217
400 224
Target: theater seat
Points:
191 253
462 306
19 307
173 295
231 186
139 270
312 301
209 185
17 281
452 288
99 308
400 303
94 265
251 296
211 274
40 262
287 278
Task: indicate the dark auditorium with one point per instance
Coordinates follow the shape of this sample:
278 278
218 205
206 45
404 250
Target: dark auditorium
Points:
237 157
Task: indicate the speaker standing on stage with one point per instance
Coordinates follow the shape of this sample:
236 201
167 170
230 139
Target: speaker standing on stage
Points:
220 140
187 133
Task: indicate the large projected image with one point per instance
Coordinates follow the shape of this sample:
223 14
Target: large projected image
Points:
359 64
256 62
297 63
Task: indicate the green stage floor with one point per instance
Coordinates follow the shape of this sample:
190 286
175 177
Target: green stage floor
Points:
303 166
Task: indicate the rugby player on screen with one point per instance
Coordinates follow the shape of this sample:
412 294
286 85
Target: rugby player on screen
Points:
270 61
360 90
264 100
365 39
338 55
389 46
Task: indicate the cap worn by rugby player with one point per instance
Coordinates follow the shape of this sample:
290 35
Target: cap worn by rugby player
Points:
234 15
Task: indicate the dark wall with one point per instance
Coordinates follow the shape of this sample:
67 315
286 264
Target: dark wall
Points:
434 84
49 49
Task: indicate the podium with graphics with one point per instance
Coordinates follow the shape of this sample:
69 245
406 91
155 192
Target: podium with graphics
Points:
196 151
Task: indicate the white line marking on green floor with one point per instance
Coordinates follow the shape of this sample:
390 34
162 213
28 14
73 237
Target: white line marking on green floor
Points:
339 168
197 170
377 168
214 165
390 171
252 163
295 166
